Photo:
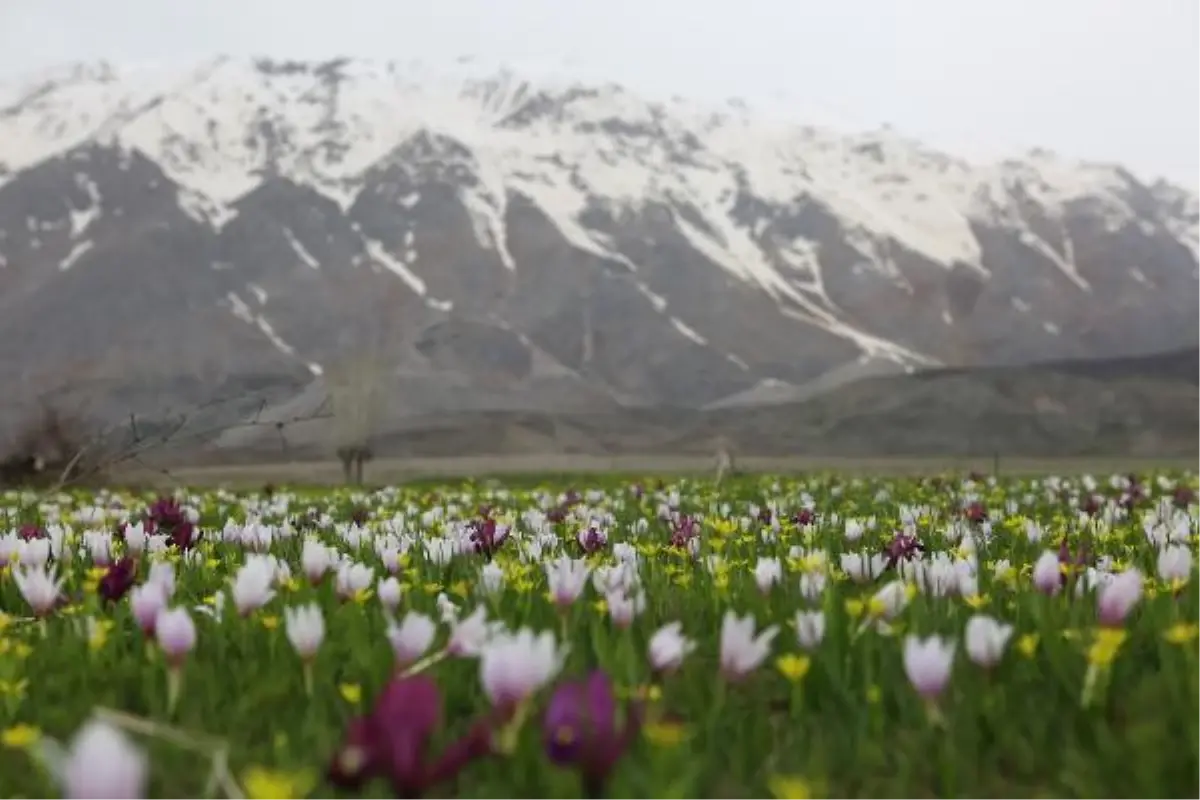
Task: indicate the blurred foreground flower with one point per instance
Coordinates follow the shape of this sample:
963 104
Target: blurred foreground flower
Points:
741 651
393 741
581 729
100 762
266 784
668 647
515 666
986 640
927 662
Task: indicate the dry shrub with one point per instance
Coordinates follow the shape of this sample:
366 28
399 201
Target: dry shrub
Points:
50 446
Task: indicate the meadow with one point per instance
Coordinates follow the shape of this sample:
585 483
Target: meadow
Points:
772 636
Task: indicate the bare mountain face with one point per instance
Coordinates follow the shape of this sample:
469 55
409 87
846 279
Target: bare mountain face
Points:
244 228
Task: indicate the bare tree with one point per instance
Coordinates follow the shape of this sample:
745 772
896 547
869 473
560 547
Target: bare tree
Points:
724 458
358 384
356 388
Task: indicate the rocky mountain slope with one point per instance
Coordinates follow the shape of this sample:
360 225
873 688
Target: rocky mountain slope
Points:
487 243
1140 407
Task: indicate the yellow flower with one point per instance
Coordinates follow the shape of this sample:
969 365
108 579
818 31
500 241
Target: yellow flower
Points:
363 595
793 667
98 633
269 621
649 692
664 734
855 607
351 692
290 585
266 784
460 588
432 587
1105 646
92 579
1182 633
600 605
213 563
976 600
20 736
790 787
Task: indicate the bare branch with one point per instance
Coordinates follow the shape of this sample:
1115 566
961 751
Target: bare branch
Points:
140 446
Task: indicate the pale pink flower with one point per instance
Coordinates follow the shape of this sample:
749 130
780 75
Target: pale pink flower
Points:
741 651
1116 598
927 662
176 634
101 762
1047 574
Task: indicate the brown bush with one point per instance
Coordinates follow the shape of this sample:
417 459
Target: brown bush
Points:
50 446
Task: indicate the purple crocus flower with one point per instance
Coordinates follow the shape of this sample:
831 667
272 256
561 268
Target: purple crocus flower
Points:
117 580
581 729
30 531
487 536
685 529
393 741
903 547
165 513
592 539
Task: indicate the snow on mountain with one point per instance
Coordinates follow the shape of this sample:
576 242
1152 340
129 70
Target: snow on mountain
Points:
659 251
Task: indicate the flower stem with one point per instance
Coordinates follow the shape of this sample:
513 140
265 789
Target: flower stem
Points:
174 684
424 664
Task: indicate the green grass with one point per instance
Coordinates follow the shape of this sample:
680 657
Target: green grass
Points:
851 726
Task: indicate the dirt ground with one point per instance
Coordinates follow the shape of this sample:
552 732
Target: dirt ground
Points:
393 471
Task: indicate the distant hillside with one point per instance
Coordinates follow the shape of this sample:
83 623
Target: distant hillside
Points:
1175 365
1135 406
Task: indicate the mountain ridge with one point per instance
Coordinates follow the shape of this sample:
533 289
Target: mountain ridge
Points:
256 223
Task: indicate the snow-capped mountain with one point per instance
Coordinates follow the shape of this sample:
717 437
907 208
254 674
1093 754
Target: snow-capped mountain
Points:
168 236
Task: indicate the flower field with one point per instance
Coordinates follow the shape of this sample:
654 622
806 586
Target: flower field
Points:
788 637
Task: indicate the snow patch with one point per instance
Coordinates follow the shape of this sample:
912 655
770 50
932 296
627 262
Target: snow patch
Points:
487 223
688 332
657 300
80 219
379 254
299 250
78 250
239 308
273 337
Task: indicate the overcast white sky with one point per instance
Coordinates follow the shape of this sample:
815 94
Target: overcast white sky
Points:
1112 80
